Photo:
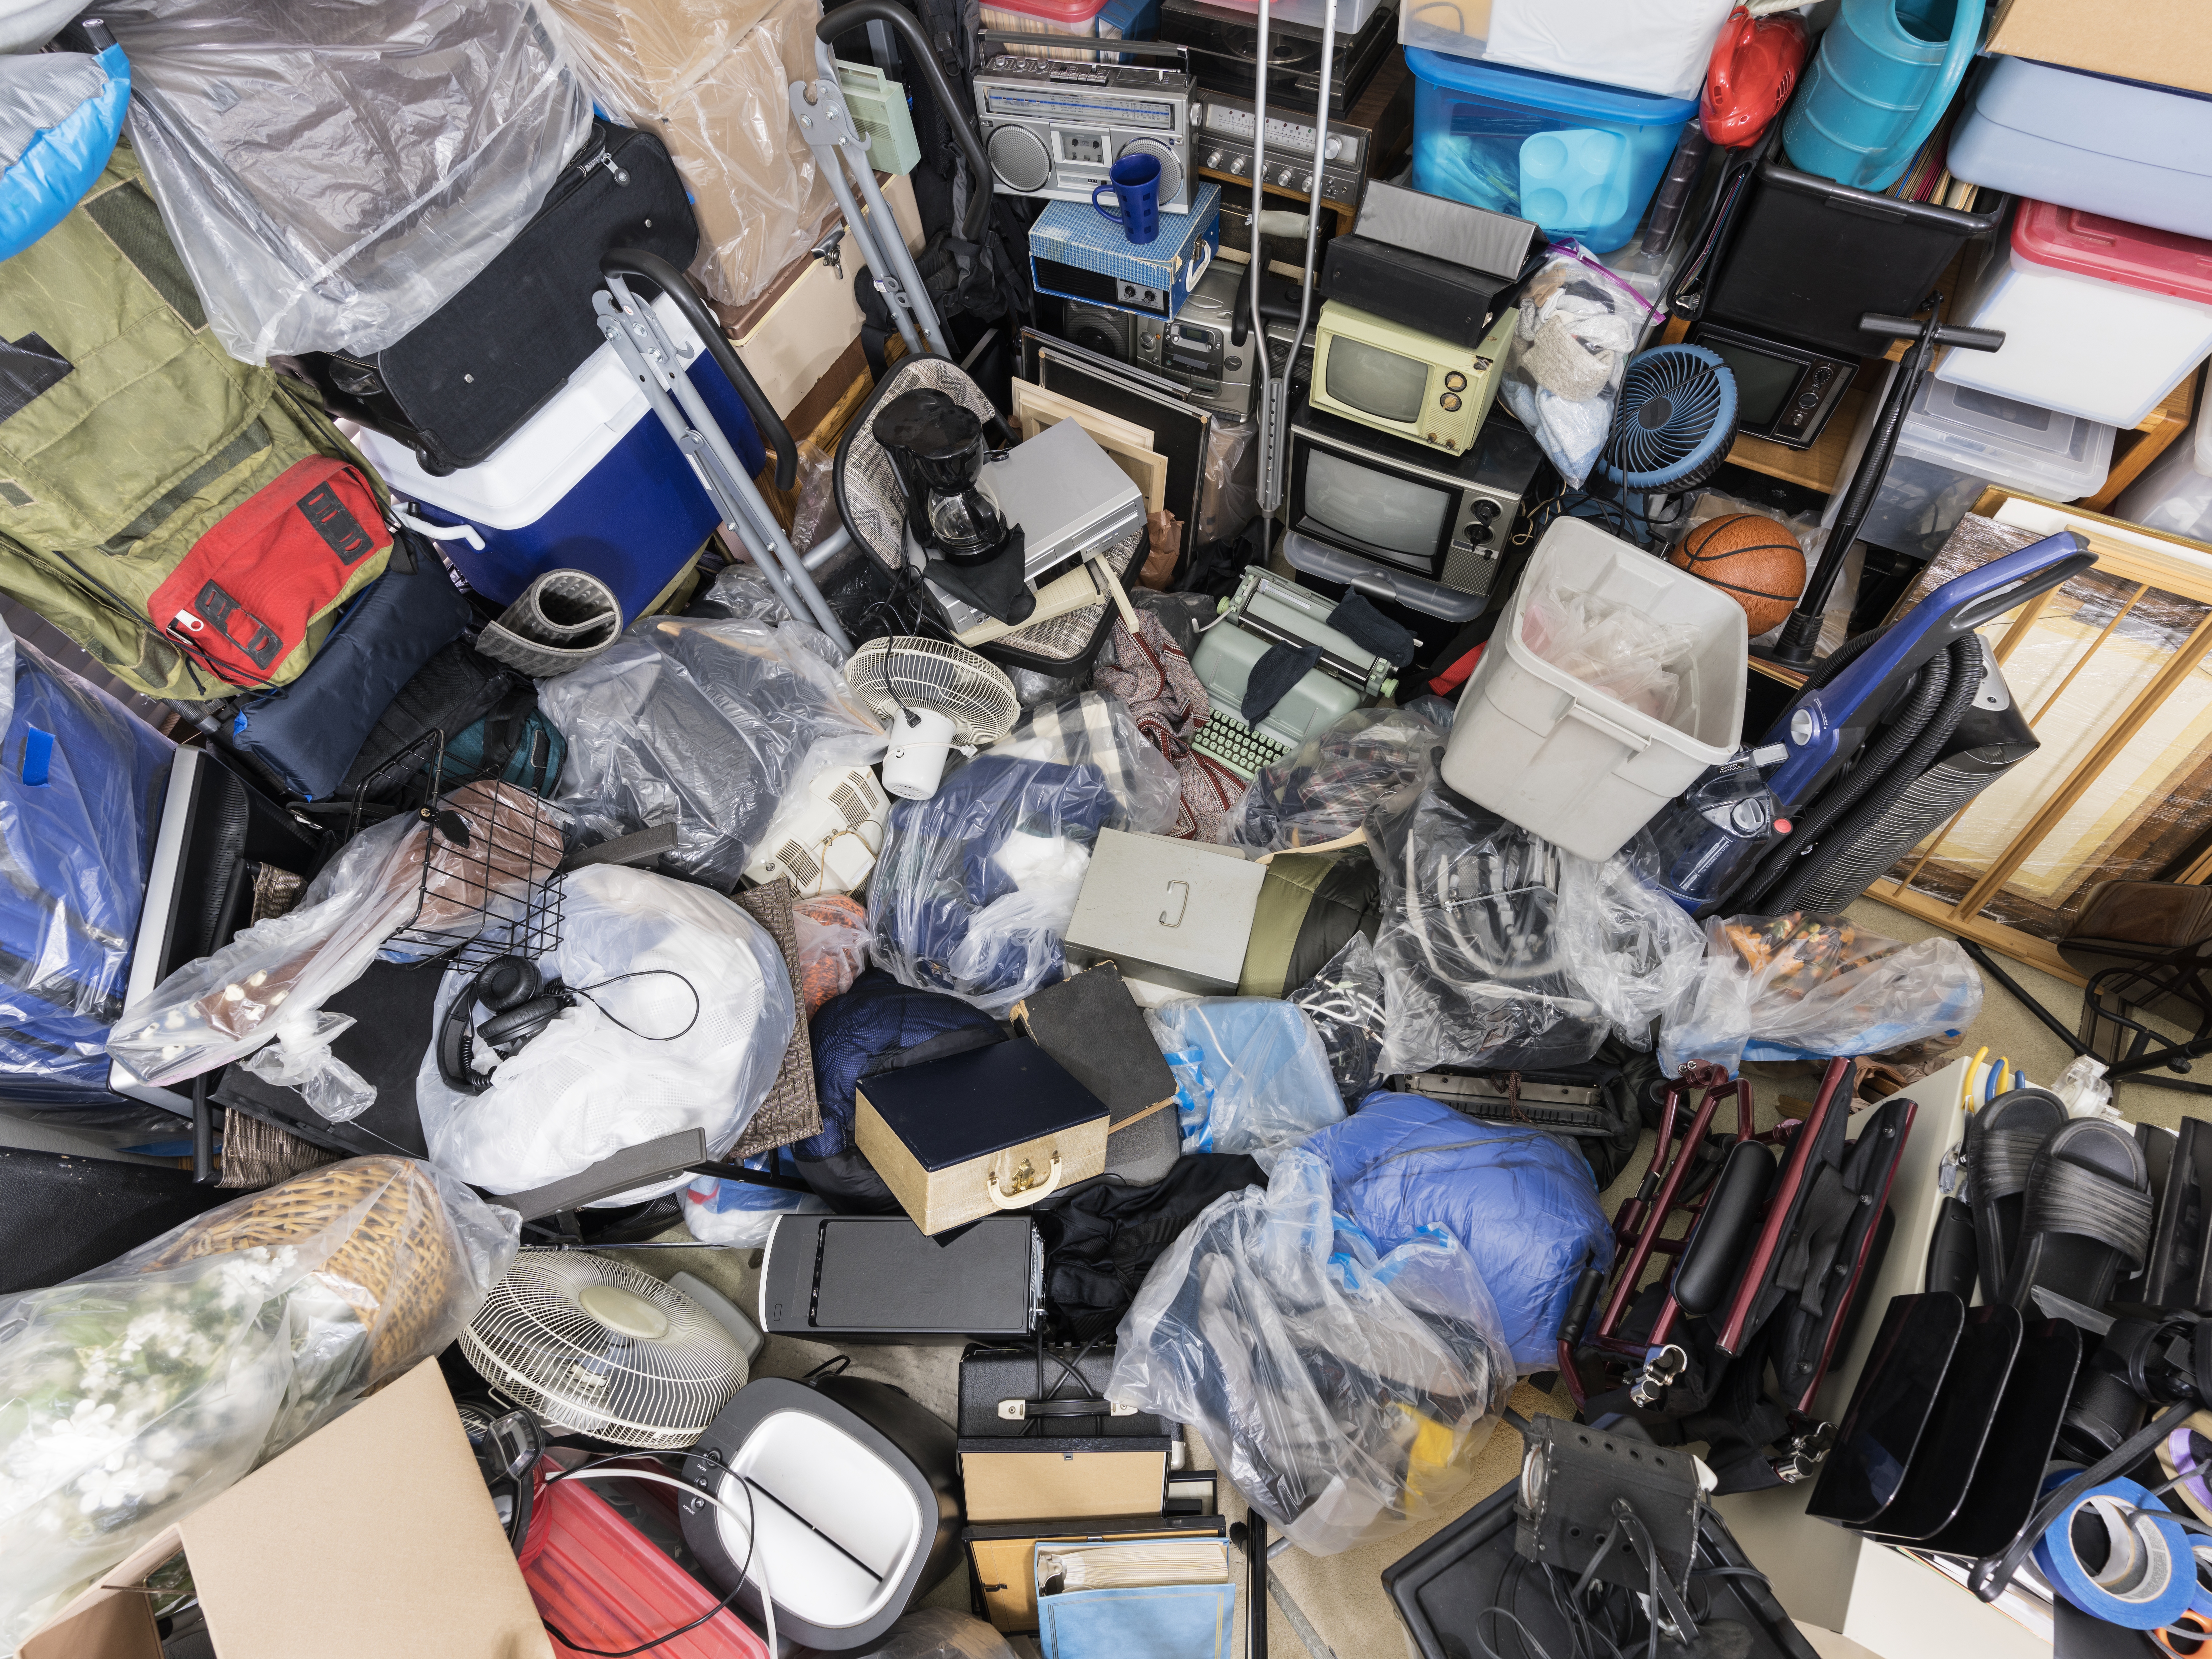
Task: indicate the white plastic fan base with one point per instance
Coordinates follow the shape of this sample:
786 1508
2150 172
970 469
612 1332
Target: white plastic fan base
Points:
916 763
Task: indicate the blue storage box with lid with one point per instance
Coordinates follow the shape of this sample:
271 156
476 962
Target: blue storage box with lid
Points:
1579 159
591 482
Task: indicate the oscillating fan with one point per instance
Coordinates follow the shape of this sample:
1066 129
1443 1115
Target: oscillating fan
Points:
596 1347
1673 424
935 695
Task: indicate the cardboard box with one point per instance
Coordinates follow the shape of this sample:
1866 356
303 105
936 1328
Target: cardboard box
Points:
373 1535
2167 43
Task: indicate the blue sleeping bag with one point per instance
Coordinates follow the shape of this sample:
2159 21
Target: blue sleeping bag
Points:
82 779
1523 1202
60 115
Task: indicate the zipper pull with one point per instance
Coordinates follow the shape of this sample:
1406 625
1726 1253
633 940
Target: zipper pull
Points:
605 159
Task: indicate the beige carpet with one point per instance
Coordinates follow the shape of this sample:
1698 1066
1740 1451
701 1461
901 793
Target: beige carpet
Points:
1334 1608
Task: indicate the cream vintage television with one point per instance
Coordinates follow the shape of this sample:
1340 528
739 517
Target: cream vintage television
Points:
1410 385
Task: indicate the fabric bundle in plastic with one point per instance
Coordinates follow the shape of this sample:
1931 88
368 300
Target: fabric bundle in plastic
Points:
141 1390
977 886
684 1009
81 781
1578 324
1344 1391
1251 1073
333 171
1325 787
1500 952
1096 729
708 725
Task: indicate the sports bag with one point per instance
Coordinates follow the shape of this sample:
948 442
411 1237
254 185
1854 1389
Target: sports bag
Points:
191 521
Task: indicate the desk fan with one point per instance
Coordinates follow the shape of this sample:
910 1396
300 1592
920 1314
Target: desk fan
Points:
596 1347
935 696
1673 424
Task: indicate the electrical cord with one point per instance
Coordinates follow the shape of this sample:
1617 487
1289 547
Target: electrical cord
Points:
697 1006
595 1471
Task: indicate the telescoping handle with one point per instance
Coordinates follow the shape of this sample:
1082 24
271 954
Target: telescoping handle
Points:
860 13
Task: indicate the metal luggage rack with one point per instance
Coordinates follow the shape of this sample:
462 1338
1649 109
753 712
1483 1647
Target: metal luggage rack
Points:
507 901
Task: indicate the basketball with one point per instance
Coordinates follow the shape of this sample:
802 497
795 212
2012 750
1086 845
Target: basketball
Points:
1754 560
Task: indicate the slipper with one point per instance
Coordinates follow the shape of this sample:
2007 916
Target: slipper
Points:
2003 1140
2086 1219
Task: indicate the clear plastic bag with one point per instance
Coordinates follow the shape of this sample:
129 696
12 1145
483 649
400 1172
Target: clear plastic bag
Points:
333 171
713 78
1578 325
683 1010
738 1213
1325 788
1628 653
1802 986
1501 953
1345 1394
1096 729
141 1390
1252 1074
977 885
1345 1003
832 947
708 725
2083 1086
270 982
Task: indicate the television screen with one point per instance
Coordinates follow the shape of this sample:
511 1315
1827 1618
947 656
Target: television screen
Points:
1377 509
1382 384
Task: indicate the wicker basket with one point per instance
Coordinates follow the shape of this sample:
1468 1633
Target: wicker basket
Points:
396 1268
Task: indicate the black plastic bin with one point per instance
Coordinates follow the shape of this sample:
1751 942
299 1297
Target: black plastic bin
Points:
1809 255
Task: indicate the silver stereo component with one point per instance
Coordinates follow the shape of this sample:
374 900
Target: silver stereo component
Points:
1200 348
1221 142
1106 329
1054 129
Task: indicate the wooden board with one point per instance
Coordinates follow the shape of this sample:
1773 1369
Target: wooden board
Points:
1029 398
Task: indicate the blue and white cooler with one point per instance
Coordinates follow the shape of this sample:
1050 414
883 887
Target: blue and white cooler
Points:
591 482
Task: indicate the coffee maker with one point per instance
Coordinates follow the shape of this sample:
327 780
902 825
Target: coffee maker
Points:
936 445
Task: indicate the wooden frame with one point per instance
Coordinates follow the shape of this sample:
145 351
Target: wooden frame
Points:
1129 447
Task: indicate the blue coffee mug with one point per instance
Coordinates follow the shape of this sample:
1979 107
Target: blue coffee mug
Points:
1135 182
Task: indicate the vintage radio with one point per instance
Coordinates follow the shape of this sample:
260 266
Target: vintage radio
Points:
1054 128
1221 129
1401 381
1207 347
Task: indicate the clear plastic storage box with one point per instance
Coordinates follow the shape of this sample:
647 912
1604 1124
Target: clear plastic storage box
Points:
1659 46
1579 159
2175 491
2101 318
1088 19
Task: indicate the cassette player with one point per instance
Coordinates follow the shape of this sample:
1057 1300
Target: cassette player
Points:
1054 129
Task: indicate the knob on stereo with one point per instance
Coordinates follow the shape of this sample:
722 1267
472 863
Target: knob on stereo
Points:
1333 149
1485 510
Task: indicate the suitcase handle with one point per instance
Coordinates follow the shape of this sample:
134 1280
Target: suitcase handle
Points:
632 263
920 53
1026 1196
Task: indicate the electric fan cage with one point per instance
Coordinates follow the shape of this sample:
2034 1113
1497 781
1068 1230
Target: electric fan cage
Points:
1663 459
537 1346
951 680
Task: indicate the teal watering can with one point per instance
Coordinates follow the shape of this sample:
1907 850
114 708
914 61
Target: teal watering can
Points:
1881 81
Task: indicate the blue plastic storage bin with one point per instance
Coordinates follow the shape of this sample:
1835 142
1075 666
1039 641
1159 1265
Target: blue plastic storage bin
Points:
1579 159
591 482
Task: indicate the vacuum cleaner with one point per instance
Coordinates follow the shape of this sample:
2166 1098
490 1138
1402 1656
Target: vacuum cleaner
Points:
1894 733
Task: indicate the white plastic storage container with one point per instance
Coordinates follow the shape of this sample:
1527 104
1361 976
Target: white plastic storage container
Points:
1650 45
2175 491
1956 440
2101 318
1352 15
1566 761
2138 152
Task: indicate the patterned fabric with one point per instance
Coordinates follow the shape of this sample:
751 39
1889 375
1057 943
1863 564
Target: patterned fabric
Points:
1152 675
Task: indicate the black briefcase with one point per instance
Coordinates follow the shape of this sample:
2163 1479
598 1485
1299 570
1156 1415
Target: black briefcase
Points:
466 376
1039 1438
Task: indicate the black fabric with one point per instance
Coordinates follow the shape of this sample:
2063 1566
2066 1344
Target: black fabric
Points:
465 378
1100 1243
60 1216
1272 677
1216 569
29 366
453 690
996 588
1392 641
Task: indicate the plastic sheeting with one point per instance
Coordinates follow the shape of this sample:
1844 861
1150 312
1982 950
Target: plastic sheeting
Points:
1659 46
707 724
333 171
713 79
1344 1002
1095 729
76 844
1251 1073
1325 788
1501 953
977 886
1802 986
143 1388
1344 1392
684 1009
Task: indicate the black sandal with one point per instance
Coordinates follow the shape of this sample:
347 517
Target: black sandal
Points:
2003 1140
2086 1218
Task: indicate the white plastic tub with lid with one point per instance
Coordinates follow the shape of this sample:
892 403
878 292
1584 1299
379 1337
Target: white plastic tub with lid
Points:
2101 318
2175 491
1564 760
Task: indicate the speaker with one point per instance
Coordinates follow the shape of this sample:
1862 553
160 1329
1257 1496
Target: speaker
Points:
1102 329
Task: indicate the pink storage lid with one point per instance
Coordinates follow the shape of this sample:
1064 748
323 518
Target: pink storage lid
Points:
1061 13
2114 251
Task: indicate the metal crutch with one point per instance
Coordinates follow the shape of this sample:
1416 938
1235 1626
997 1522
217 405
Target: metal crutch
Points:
1275 395
841 153
635 332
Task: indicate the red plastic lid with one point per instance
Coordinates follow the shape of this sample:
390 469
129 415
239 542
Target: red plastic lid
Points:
2114 251
1071 15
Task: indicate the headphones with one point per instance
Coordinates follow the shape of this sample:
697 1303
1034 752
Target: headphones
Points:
522 1004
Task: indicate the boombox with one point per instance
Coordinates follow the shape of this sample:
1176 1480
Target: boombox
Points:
1054 128
1202 347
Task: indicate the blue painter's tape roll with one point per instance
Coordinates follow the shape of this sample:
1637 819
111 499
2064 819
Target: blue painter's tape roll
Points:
2149 1576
